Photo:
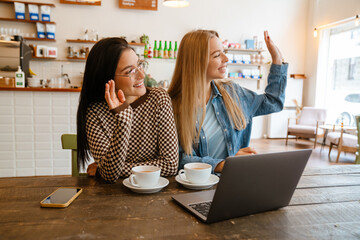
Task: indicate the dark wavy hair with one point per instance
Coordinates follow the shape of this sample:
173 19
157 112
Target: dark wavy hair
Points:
100 67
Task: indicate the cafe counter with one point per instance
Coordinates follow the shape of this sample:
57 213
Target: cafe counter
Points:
28 89
31 123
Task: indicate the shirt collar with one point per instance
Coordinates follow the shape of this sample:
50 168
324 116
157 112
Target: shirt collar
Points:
140 100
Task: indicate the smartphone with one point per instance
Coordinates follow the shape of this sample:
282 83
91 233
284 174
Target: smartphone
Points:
61 197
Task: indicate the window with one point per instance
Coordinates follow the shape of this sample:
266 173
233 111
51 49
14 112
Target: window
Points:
342 73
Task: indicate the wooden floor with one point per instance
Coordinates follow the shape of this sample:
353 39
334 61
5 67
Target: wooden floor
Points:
318 158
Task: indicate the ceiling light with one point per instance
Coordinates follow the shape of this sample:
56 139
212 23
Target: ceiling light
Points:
176 3
315 33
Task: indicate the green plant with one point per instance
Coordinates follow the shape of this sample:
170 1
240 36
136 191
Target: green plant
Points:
144 38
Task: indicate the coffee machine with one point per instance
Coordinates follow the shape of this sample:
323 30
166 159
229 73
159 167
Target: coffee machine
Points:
12 55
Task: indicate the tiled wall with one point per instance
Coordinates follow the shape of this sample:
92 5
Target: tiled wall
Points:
52 69
31 124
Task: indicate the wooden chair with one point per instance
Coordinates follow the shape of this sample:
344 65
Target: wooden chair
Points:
69 141
307 125
345 143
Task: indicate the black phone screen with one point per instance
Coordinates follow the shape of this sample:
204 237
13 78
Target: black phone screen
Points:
62 195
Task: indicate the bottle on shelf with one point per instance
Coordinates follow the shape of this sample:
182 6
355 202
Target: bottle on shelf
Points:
155 51
170 51
146 51
19 78
150 52
165 55
175 50
160 51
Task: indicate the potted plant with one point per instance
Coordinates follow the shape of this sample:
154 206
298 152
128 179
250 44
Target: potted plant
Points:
144 38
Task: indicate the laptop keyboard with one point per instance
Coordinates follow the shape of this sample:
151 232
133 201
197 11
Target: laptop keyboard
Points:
202 207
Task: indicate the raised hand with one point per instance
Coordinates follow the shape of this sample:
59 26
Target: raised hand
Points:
275 53
111 98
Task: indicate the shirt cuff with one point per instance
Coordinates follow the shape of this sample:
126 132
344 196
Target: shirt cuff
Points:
279 69
119 109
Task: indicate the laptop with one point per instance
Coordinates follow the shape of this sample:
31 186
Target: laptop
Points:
248 184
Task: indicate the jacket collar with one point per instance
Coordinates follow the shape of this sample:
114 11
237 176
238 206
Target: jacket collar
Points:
215 90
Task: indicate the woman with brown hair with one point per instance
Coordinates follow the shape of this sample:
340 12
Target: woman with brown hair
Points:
214 116
121 122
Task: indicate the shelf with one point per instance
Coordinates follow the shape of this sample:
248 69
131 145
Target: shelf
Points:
244 50
28 89
76 58
39 39
80 41
90 41
252 79
247 78
136 44
298 76
45 58
251 64
36 3
161 59
98 3
24 20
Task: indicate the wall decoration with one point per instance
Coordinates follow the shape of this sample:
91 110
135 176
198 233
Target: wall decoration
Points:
139 4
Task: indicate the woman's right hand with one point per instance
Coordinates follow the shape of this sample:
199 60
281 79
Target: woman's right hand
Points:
241 152
246 151
111 98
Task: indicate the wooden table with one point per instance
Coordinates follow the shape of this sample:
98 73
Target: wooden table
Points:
325 206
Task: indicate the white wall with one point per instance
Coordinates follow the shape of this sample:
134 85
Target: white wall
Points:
322 12
235 20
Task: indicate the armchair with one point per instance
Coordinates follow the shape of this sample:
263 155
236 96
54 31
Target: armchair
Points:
307 124
346 142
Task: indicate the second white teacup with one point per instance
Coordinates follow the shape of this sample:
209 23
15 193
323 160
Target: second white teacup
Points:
195 173
145 176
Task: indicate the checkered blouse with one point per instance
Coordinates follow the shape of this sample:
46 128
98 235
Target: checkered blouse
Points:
142 133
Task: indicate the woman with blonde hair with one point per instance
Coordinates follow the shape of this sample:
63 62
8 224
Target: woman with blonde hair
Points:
214 116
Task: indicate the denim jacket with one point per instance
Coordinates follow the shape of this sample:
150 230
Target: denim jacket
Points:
252 105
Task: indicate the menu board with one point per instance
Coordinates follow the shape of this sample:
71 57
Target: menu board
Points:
139 4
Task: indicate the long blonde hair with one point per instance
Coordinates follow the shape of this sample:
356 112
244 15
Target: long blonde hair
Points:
188 88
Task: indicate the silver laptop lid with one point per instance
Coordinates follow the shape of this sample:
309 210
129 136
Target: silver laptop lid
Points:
257 183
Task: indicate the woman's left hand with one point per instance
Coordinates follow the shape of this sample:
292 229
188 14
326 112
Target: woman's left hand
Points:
91 170
275 53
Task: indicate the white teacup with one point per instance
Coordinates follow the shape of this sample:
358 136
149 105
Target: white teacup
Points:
145 176
195 173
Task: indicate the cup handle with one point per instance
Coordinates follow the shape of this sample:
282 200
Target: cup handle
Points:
132 180
182 175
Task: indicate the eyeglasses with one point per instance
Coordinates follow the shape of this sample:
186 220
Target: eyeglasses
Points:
142 67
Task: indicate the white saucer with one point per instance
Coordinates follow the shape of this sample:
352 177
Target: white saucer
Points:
163 182
211 182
